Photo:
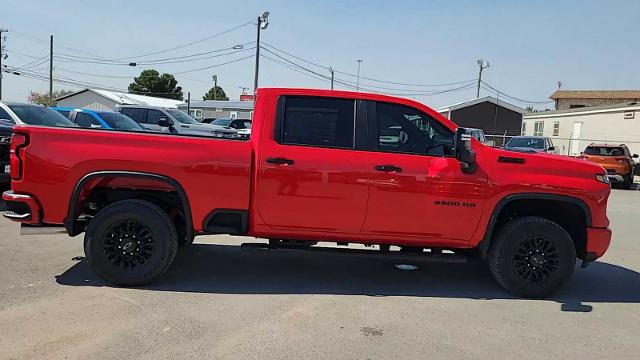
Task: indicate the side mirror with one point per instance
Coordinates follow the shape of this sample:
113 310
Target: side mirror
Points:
464 153
635 156
552 148
164 122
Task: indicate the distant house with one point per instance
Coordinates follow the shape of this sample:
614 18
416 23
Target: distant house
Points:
104 100
494 116
573 129
219 109
573 99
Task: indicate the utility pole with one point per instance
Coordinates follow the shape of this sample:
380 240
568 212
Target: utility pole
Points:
263 22
51 71
358 78
215 87
483 65
559 84
189 102
3 38
244 89
331 71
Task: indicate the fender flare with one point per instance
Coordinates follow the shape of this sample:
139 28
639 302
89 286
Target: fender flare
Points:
71 224
485 244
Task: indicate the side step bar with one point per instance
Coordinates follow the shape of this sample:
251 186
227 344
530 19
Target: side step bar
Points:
41 230
388 255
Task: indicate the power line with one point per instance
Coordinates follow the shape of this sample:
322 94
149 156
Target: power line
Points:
213 66
491 88
189 43
366 78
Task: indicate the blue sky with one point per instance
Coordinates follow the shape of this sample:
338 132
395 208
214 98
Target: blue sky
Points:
530 44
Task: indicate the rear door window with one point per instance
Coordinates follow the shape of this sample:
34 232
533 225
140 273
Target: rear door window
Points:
86 120
138 115
317 121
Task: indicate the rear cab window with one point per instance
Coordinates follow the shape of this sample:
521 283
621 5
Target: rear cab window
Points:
604 151
317 121
138 115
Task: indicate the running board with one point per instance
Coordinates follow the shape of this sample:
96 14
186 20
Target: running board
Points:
41 230
388 255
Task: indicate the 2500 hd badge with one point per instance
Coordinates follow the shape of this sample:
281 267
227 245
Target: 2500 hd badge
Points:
455 203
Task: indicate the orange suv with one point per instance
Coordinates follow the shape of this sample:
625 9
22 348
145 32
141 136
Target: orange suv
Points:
615 159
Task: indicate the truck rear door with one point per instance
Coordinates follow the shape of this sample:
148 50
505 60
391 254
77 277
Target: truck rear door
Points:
310 178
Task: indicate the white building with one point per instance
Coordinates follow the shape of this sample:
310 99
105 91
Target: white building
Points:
573 130
104 100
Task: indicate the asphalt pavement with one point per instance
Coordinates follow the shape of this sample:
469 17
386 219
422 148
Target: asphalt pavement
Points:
218 303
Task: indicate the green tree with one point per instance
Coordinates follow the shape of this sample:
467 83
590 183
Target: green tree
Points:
219 94
43 98
151 83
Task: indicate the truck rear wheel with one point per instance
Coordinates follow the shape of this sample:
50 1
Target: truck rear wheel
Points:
532 257
130 242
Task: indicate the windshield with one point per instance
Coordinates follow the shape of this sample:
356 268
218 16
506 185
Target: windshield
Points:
534 143
604 151
119 121
182 116
40 115
222 122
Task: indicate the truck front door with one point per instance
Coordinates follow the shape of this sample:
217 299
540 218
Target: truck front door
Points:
418 191
310 179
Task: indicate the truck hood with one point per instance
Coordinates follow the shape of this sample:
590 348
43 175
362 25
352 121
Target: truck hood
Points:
539 163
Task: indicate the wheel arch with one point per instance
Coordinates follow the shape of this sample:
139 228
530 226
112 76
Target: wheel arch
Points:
485 245
75 227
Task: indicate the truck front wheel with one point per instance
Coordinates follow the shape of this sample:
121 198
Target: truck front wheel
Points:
532 257
130 242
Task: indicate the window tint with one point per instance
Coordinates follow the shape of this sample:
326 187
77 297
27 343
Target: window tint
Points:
119 121
40 115
405 129
319 122
604 151
64 113
86 120
138 115
4 115
153 116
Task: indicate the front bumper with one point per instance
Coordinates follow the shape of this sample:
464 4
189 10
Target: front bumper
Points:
598 240
22 208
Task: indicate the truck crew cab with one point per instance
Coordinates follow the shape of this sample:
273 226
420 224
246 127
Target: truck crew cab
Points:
320 166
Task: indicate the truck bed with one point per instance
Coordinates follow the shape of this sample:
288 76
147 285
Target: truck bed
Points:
214 173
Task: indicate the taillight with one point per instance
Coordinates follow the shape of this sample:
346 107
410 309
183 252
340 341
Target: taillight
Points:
18 142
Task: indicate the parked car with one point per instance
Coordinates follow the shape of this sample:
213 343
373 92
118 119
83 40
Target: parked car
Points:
174 121
315 171
32 114
535 144
616 159
6 130
108 120
480 136
243 126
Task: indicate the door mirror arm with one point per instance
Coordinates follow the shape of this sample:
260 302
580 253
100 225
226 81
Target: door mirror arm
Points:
464 153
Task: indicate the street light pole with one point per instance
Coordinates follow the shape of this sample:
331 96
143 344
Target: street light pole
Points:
358 78
483 65
263 22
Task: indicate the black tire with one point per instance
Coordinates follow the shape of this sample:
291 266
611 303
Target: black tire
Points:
532 257
627 183
142 231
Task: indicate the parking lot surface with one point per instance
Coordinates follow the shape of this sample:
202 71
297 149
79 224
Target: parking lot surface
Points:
216 302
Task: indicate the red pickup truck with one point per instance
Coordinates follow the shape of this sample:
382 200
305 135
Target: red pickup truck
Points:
320 166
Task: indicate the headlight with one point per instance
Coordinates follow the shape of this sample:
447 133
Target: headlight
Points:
603 178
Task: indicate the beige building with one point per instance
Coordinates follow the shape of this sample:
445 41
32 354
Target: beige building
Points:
570 99
573 130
